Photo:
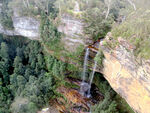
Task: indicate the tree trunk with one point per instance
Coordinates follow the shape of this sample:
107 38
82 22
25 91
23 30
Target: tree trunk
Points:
132 4
108 8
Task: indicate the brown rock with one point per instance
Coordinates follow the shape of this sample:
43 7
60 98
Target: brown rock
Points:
130 79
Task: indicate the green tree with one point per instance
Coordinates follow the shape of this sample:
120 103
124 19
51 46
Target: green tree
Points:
97 26
41 61
21 81
32 107
4 51
108 105
28 73
18 66
4 62
13 83
20 52
55 69
5 15
49 33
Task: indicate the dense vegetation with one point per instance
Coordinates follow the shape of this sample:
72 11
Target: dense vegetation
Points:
27 81
112 102
138 36
5 15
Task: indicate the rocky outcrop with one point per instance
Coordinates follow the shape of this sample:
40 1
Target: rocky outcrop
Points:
128 77
72 101
72 27
73 31
23 26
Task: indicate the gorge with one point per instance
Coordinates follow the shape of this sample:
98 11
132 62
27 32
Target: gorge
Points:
74 59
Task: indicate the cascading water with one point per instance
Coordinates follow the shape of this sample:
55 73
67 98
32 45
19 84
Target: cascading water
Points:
77 7
85 88
84 85
85 64
91 79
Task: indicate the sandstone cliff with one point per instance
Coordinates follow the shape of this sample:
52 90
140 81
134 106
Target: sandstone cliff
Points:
128 77
23 26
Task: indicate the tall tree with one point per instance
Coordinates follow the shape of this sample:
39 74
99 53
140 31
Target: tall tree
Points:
108 3
4 51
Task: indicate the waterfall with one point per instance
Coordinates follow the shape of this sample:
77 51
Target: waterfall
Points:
85 88
85 64
77 7
91 79
83 84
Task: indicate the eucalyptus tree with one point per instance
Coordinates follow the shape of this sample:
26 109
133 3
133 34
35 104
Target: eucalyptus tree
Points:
108 3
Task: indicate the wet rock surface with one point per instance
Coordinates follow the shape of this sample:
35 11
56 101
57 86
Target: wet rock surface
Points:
75 102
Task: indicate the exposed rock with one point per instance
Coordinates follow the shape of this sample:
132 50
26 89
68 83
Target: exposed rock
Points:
75 102
48 110
129 78
26 26
126 44
23 26
108 36
6 32
73 31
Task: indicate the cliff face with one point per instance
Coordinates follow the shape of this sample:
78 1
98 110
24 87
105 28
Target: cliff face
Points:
73 30
23 26
128 77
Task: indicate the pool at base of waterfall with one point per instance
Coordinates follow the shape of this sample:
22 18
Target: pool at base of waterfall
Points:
76 102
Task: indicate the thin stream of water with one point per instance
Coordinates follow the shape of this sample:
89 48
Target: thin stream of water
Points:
91 79
85 64
86 87
84 71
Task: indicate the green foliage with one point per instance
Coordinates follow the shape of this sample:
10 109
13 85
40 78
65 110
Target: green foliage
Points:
75 56
122 105
49 34
97 26
64 5
107 105
33 7
99 57
5 15
22 105
137 36
23 74
4 63
112 102
69 85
